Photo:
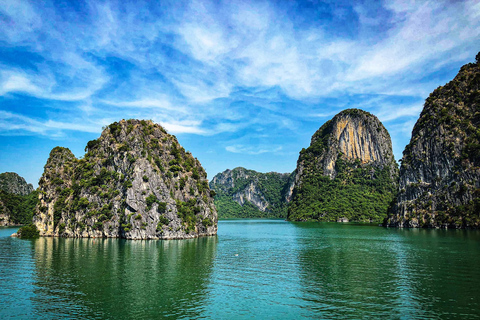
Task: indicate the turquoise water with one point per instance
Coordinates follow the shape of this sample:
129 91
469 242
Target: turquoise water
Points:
253 269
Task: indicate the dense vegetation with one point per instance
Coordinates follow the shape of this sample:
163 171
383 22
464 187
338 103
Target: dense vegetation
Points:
28 232
359 190
357 193
20 208
269 189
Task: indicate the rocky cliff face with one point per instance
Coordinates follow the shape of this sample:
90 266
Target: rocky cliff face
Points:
17 200
347 172
243 193
440 172
134 182
4 215
10 182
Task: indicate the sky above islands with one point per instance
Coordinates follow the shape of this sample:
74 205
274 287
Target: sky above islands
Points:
240 83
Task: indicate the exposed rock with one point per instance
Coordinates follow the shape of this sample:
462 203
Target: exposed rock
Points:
135 182
10 182
347 172
15 199
440 172
5 215
243 193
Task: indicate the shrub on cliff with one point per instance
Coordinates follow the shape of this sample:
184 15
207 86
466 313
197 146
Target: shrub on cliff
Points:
28 232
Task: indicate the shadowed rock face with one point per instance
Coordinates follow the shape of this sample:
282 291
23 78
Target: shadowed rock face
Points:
352 149
10 182
440 172
4 215
135 182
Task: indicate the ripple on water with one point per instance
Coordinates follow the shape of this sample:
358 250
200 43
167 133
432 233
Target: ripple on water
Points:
260 269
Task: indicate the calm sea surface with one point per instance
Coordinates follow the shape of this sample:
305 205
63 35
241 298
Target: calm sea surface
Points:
253 269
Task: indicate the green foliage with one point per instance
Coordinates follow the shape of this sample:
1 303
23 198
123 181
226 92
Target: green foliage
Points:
59 206
163 220
21 208
57 181
28 232
162 207
145 178
115 128
92 144
182 183
207 222
186 212
150 200
227 208
158 162
271 186
359 193
175 168
195 174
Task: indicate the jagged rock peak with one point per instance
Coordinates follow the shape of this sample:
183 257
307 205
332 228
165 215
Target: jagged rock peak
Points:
440 172
135 181
11 182
352 151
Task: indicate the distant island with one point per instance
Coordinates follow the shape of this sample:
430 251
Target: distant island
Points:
243 193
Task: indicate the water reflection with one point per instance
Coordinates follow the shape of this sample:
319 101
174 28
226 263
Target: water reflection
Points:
371 272
112 278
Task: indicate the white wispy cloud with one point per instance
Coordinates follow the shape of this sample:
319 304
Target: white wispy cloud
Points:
12 122
192 68
252 150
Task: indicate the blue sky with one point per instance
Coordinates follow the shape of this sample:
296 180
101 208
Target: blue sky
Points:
239 83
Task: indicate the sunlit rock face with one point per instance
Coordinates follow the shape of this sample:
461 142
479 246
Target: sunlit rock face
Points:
439 183
135 181
357 135
352 150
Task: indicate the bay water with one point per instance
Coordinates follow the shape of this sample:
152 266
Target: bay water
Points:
253 269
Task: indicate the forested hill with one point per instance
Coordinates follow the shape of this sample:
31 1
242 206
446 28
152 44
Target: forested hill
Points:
243 193
348 171
17 200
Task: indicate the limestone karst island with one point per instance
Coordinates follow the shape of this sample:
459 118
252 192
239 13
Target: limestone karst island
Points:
202 159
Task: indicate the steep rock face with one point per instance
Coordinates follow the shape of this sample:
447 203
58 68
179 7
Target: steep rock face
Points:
11 182
440 172
135 182
243 193
347 172
17 200
4 215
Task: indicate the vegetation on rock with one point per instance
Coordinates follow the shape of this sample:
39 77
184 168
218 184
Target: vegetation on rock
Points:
28 232
439 182
10 182
242 193
17 209
347 172
131 180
